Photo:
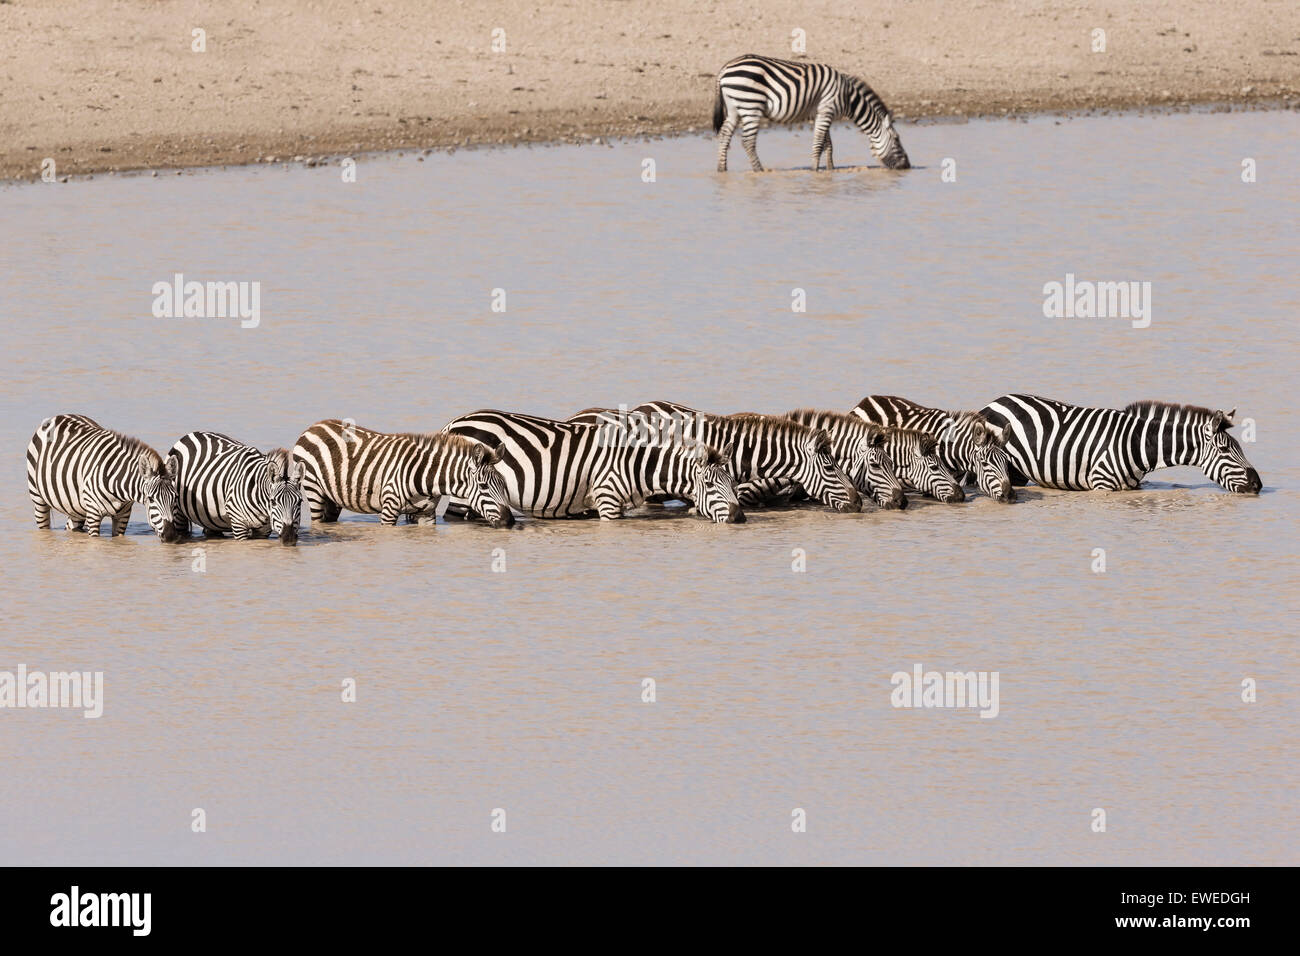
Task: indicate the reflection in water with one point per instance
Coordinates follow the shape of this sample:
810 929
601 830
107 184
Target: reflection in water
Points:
504 668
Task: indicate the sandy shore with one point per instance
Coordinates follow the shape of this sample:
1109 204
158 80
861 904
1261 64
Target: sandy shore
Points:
100 85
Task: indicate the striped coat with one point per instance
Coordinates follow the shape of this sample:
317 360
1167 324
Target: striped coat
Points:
968 444
370 472
223 485
754 88
556 469
90 473
1073 447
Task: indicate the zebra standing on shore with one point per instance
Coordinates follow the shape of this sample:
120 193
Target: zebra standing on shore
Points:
766 447
369 472
752 88
90 473
1105 449
557 469
223 485
969 445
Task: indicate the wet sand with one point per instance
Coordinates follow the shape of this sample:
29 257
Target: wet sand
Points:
102 86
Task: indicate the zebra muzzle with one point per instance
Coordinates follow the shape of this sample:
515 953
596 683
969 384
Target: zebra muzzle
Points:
288 534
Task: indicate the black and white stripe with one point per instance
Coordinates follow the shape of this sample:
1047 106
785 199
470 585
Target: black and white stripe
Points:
223 485
370 472
969 446
557 469
765 447
753 88
90 473
1082 449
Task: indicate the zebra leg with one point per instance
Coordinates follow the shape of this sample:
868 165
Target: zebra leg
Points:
821 144
120 521
608 502
241 532
830 154
749 137
73 524
725 133
41 509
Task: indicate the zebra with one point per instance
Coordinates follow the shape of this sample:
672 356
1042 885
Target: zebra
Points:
370 472
224 485
766 447
1106 449
557 469
969 445
911 454
89 473
752 88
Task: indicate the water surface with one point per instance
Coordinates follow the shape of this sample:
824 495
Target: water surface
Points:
522 690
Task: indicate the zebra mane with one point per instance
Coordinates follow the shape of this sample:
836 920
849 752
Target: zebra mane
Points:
864 89
135 447
280 459
1149 407
836 418
771 425
453 442
977 422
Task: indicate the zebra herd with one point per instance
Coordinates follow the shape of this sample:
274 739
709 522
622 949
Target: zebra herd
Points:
602 462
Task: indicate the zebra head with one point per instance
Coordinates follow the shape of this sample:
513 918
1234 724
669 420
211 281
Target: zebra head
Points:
1222 459
281 482
487 489
869 112
992 465
715 488
919 465
872 471
821 475
158 493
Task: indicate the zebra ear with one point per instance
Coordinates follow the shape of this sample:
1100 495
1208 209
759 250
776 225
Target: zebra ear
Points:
487 455
1222 420
727 451
294 471
169 466
819 443
928 444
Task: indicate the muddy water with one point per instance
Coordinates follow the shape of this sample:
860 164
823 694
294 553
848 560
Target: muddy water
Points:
522 689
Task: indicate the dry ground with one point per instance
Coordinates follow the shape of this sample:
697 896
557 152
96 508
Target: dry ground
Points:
114 84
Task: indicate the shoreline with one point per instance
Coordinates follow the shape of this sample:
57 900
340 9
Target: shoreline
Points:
122 90
209 160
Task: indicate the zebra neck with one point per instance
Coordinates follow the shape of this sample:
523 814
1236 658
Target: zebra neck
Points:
657 469
1165 443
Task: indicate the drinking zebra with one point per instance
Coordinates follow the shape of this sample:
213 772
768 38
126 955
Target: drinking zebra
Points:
753 88
90 473
369 472
1106 449
911 456
224 485
557 469
969 446
765 447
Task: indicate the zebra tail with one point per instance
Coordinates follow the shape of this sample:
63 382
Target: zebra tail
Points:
719 110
